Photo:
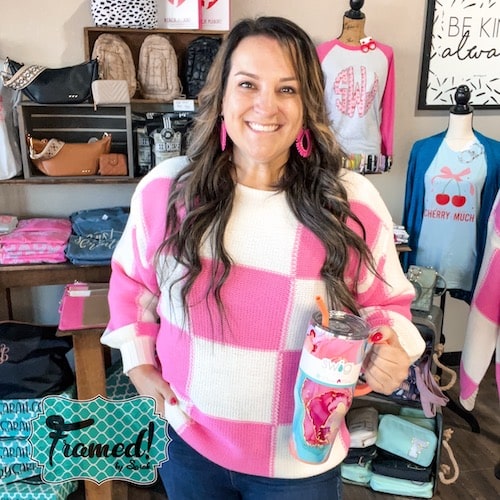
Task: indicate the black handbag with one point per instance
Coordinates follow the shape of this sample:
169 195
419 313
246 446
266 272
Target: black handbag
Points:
69 85
361 456
33 361
391 465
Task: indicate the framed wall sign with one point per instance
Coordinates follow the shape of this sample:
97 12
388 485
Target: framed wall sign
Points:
461 47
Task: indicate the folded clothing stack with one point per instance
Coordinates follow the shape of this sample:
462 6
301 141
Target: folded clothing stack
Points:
401 237
35 241
95 233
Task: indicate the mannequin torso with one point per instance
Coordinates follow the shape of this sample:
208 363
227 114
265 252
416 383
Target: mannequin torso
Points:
353 27
460 133
359 93
353 30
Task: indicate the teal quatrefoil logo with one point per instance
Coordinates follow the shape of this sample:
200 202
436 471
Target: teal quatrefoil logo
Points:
99 440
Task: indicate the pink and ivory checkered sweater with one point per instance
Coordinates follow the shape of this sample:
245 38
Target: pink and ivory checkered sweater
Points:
234 379
482 335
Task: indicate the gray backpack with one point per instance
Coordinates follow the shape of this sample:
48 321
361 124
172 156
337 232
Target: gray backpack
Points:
158 69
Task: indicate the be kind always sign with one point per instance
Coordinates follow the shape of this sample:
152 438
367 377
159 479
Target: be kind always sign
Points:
462 47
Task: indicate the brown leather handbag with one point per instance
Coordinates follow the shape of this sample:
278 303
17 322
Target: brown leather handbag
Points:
63 159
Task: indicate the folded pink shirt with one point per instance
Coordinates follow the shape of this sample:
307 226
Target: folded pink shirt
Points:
36 240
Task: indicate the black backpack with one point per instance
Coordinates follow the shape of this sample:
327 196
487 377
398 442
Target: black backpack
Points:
200 54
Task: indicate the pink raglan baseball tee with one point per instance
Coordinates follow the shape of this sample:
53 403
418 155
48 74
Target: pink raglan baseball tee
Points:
360 95
234 377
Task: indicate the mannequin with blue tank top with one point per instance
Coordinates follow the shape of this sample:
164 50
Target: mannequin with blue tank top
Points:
451 184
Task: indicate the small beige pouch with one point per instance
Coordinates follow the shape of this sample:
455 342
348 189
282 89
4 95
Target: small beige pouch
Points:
110 92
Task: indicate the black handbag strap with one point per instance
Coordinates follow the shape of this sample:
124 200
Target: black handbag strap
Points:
22 77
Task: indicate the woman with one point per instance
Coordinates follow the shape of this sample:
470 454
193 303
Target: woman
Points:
214 280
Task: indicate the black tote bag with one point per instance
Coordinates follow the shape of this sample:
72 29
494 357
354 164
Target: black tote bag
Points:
33 361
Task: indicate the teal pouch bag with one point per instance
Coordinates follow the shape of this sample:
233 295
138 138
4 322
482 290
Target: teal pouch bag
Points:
410 411
404 487
355 473
427 423
417 416
406 439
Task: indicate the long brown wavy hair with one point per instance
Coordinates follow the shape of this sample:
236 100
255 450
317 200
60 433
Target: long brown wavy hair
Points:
201 199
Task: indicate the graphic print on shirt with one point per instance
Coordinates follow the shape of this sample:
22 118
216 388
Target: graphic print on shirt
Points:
354 95
453 185
460 178
458 200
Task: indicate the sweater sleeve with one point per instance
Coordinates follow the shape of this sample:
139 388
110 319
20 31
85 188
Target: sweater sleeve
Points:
383 300
134 288
482 335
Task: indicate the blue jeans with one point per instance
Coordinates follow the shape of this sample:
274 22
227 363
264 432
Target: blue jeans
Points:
187 475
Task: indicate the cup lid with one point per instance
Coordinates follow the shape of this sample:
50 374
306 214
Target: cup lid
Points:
344 324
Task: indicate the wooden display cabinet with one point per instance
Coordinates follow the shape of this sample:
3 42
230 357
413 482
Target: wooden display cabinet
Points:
134 37
75 123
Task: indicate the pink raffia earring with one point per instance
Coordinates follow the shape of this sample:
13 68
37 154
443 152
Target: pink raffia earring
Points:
303 143
223 135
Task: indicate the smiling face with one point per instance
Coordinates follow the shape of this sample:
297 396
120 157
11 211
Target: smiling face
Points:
262 105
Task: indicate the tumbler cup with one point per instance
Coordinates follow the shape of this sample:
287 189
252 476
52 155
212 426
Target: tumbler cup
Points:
326 383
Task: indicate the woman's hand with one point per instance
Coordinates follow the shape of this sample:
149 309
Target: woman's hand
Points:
386 363
149 382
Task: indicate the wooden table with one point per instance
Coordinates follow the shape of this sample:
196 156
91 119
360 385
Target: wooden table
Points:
90 369
29 275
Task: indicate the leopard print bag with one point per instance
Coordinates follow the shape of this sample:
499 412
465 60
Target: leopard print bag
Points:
125 13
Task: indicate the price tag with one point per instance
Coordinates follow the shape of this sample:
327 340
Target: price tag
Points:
183 104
